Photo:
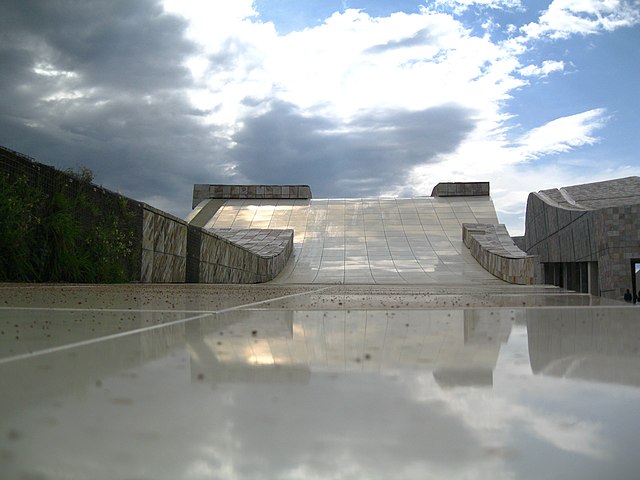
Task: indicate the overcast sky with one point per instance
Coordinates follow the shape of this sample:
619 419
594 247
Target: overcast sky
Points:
355 98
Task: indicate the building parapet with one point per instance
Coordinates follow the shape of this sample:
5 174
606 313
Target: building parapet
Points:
461 189
205 191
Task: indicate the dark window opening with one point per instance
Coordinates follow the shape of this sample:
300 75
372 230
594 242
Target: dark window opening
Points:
577 276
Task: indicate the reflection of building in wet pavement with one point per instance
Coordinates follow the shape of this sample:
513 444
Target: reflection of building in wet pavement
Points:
460 347
586 343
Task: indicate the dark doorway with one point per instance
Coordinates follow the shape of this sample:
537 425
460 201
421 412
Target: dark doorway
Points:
635 278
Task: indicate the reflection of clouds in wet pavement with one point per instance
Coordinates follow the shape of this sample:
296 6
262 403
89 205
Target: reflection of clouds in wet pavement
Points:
372 420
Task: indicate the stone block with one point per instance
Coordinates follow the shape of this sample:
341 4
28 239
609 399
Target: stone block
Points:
159 230
553 247
148 230
175 238
178 269
564 218
567 251
540 228
551 219
146 273
160 268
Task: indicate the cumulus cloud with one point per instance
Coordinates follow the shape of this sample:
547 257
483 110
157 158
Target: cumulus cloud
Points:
350 62
562 134
459 6
421 37
489 148
565 18
547 67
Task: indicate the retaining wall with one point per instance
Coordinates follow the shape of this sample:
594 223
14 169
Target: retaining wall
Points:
493 248
237 256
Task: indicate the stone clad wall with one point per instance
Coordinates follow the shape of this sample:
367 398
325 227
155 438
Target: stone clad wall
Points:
175 252
617 239
558 234
493 248
260 258
205 191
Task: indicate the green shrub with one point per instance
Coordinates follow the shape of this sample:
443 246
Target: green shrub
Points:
19 222
64 236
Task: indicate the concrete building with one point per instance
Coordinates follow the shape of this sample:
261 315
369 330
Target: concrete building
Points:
587 236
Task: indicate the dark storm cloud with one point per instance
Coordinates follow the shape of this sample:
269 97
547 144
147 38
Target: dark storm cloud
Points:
112 44
373 153
421 37
131 122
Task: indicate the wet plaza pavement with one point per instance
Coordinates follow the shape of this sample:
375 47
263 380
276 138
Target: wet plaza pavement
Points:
316 381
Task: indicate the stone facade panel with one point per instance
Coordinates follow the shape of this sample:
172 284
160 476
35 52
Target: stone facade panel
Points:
566 245
164 247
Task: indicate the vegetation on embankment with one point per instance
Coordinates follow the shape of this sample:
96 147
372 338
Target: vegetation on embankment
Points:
65 230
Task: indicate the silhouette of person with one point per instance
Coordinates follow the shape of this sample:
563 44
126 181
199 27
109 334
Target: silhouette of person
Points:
627 296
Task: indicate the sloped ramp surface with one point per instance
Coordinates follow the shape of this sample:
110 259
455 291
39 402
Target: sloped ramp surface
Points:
370 240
